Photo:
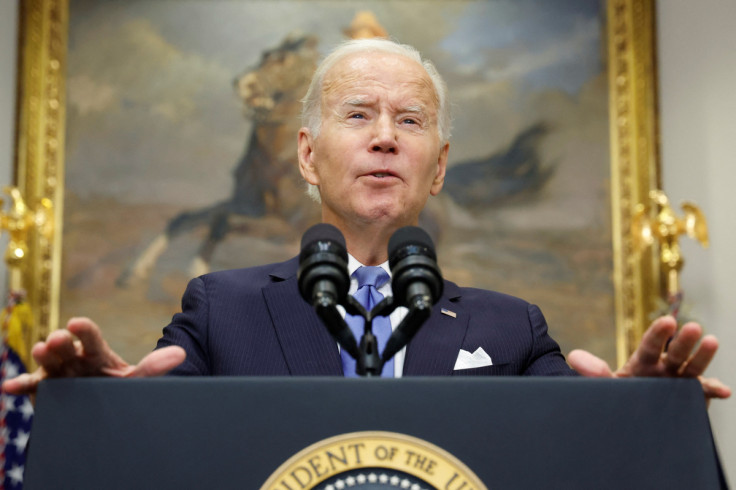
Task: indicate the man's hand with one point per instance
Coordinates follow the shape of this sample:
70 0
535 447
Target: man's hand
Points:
80 350
683 357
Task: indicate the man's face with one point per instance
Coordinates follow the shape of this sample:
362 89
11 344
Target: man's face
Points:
378 156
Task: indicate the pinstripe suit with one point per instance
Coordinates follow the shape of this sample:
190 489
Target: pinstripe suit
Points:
254 322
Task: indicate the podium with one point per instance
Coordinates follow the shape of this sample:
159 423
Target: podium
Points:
235 433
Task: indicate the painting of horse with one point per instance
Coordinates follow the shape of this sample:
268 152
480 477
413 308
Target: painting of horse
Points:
181 150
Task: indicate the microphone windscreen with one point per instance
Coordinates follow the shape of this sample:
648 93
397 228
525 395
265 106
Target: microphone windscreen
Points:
410 236
323 232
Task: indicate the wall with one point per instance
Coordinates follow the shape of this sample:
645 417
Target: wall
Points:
698 112
697 66
8 42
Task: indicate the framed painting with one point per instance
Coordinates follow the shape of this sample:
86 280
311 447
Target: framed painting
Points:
164 134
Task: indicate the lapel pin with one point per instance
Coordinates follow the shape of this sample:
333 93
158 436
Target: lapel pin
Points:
447 312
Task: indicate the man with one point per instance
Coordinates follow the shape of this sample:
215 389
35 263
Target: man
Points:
374 147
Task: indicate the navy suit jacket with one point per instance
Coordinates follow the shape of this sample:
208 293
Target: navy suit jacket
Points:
254 322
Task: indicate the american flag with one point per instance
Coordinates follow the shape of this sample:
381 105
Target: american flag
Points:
16 415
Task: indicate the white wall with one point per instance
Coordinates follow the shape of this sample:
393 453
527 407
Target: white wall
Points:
697 63
8 42
697 66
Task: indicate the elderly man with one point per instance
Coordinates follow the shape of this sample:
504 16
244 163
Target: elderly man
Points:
374 148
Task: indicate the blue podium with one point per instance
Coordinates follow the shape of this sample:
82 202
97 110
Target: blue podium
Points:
239 433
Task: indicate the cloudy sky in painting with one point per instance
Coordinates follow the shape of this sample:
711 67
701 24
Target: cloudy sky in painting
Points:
150 84
544 44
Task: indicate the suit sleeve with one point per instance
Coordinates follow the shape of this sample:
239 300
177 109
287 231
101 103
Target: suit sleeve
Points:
189 330
545 358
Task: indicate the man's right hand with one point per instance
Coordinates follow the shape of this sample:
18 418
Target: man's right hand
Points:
80 350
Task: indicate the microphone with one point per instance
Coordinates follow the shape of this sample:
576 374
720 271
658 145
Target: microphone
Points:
416 282
324 281
413 262
323 265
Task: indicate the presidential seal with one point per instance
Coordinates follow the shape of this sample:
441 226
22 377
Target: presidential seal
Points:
373 461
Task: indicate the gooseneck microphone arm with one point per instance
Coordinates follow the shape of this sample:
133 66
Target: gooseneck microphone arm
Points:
326 308
418 313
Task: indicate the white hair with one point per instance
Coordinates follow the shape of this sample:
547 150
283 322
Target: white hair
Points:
312 102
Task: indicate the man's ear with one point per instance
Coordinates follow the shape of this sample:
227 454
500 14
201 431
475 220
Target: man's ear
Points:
439 178
305 151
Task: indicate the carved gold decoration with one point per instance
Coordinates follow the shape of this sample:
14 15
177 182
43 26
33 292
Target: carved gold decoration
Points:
365 25
634 162
665 229
634 152
40 150
19 222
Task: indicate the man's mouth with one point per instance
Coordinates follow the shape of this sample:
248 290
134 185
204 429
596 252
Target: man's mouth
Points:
381 174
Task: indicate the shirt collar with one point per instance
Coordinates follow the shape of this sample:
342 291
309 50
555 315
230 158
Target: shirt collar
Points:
353 265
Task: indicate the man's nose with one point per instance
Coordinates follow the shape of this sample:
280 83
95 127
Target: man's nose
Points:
384 137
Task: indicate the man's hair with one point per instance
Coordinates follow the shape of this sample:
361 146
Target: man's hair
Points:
312 102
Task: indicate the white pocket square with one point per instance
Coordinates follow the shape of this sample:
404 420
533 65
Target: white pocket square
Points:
466 360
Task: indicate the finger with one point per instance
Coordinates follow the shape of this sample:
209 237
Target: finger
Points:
714 388
587 364
681 347
52 354
99 358
89 334
653 342
157 363
25 384
61 344
160 362
699 361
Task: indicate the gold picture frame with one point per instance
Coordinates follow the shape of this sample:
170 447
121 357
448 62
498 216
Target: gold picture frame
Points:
633 149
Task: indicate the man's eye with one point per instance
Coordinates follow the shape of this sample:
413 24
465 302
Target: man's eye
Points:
409 121
356 116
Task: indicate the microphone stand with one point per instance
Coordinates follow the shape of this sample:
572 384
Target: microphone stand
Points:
420 307
369 362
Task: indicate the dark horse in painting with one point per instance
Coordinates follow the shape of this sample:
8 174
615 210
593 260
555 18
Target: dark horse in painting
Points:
268 195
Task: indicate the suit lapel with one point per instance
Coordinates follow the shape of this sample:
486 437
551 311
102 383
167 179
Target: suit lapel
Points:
308 347
434 349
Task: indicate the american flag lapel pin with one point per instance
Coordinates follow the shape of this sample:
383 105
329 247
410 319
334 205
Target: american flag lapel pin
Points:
447 312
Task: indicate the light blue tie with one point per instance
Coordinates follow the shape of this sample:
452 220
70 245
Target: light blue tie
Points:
369 280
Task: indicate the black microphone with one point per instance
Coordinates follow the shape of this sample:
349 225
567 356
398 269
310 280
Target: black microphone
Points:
416 282
324 280
414 270
323 265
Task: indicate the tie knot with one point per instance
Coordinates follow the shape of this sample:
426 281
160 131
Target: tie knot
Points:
371 276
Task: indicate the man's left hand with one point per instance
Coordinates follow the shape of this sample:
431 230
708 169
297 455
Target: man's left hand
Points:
663 352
